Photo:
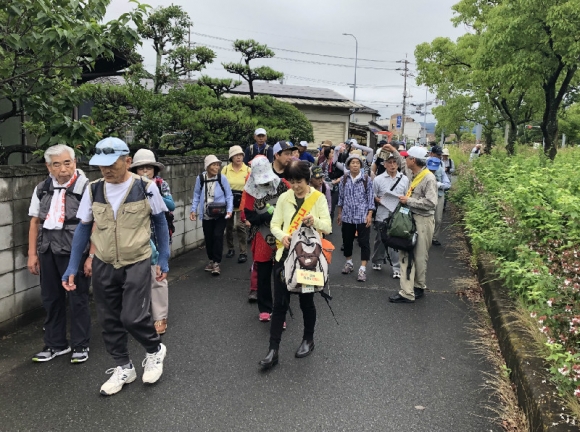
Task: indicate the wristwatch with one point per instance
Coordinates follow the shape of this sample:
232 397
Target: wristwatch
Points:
91 256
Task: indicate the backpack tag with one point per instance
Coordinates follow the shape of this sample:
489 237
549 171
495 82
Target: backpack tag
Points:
404 210
308 277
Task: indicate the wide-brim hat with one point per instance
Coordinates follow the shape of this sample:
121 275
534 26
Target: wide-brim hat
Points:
145 157
108 150
210 159
445 152
234 150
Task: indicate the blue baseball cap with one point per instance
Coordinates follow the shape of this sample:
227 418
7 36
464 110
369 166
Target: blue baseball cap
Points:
108 150
433 163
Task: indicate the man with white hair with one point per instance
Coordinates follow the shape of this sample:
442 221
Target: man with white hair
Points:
421 199
53 210
122 206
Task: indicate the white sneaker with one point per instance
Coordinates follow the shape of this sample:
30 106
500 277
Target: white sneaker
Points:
376 266
119 378
153 364
396 275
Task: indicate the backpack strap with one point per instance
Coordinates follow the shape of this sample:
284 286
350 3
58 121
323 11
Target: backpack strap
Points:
396 183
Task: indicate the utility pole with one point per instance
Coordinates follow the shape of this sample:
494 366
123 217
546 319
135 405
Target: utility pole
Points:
355 63
189 46
405 74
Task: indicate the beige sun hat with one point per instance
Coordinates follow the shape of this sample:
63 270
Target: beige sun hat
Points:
445 152
145 157
234 150
210 159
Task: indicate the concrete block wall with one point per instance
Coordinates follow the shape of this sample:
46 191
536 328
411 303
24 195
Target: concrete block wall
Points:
20 300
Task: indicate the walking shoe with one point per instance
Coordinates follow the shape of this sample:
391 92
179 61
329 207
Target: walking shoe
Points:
242 258
80 355
153 364
264 317
398 298
209 267
362 275
348 267
230 253
216 269
253 296
376 267
119 377
419 292
47 354
396 275
284 326
435 242
342 247
161 326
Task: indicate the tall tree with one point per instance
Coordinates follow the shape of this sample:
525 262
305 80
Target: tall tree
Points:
532 44
167 27
218 85
251 50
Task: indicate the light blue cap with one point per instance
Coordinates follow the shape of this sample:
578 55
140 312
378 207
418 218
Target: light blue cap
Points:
108 151
433 163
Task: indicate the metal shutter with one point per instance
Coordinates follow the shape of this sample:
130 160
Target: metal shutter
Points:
333 131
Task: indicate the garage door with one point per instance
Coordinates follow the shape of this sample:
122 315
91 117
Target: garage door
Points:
333 131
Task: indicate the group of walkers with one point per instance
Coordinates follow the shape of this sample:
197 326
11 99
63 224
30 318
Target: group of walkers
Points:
116 231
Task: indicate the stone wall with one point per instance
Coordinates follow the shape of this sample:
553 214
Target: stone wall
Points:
20 290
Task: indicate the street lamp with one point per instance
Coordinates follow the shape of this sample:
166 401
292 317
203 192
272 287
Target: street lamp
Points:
355 63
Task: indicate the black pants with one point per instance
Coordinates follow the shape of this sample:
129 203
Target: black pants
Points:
123 299
52 267
264 286
213 233
281 304
348 233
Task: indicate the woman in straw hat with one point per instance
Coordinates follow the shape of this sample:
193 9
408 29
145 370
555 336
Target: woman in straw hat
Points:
237 173
145 164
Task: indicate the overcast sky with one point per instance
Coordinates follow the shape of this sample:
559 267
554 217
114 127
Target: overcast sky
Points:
386 31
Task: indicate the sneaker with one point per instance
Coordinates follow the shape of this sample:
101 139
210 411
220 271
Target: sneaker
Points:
119 377
253 296
161 326
209 267
396 275
348 267
242 258
230 253
216 269
47 354
362 275
435 242
153 364
79 355
284 326
264 317
376 267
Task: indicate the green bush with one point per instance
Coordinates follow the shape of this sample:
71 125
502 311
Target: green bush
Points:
525 211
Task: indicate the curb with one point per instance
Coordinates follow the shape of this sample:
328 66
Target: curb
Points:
537 396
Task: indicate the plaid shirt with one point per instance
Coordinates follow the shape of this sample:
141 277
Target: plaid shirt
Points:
356 200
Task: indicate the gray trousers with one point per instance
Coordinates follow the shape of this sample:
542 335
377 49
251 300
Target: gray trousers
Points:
235 224
380 253
438 216
123 300
159 297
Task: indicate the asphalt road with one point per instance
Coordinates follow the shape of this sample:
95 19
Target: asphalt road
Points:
385 367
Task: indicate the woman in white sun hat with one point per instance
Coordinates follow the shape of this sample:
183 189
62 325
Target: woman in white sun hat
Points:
146 165
213 201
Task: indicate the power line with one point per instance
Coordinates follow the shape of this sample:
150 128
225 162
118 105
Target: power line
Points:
298 52
342 84
302 61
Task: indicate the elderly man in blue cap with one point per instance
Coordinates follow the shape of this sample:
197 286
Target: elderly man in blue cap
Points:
121 204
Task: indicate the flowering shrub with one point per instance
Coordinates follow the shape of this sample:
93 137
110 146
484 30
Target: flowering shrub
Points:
526 212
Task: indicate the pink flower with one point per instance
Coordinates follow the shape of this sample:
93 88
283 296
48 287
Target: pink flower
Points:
577 392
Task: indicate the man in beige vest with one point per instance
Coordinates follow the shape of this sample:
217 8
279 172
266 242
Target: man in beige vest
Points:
121 205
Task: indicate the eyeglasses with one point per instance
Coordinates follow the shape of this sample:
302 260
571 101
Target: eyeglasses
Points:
109 150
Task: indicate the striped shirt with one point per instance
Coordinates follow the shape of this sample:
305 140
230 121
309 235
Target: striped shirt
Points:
355 199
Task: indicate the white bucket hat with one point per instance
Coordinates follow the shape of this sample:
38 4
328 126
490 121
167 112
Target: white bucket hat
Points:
145 157
210 159
234 150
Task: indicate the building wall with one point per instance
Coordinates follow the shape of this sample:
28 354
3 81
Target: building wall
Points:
19 290
327 122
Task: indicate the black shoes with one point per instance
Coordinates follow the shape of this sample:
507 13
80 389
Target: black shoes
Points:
342 247
419 292
305 348
270 360
436 242
230 253
253 296
397 298
242 258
